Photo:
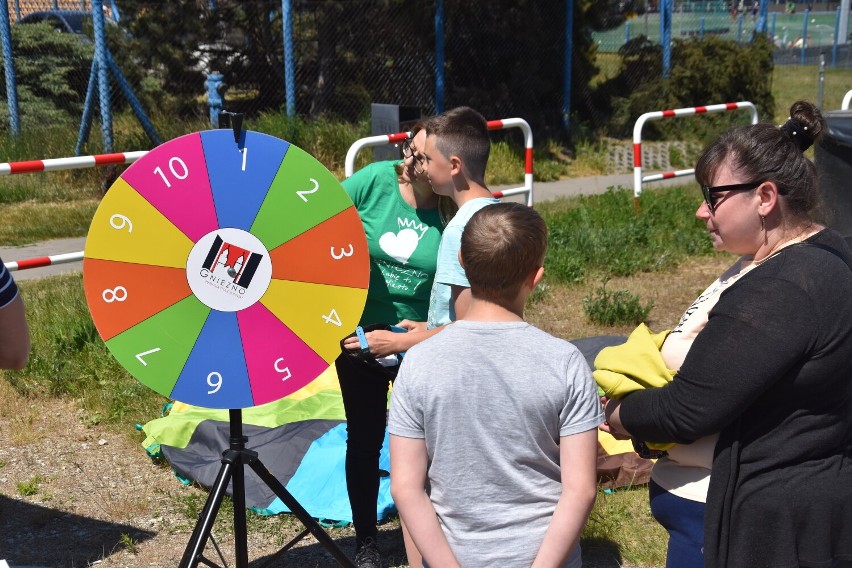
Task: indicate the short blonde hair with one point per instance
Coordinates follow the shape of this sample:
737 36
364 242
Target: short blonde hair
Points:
502 244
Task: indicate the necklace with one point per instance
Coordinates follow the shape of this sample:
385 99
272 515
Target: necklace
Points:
804 234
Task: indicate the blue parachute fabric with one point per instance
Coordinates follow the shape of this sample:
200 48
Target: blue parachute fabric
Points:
321 481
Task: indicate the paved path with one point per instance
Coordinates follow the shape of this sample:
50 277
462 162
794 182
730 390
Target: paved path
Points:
543 191
46 248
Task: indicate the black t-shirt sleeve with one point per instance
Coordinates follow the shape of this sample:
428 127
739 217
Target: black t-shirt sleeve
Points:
8 288
759 329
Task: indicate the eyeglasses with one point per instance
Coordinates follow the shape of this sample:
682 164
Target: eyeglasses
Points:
409 152
710 192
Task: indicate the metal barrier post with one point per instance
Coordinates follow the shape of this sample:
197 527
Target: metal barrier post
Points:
360 144
661 114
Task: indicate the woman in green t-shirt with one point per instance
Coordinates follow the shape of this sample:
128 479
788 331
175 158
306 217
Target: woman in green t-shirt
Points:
403 221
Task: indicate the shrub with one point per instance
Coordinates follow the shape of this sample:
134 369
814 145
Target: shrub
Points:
704 71
617 307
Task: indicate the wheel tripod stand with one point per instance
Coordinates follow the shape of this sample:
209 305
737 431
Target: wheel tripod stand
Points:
233 461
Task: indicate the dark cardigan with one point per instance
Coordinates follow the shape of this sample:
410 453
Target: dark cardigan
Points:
772 373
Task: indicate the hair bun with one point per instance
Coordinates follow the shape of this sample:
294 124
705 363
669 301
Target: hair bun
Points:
804 125
798 133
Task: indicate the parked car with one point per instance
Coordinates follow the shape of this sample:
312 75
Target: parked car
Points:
64 21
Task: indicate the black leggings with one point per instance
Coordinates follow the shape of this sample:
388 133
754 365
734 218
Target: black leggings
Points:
365 393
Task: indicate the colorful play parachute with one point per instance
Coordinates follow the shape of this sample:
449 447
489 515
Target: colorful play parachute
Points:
301 439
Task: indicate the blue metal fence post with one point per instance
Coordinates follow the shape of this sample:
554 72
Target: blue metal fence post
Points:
289 57
214 98
626 32
569 55
115 15
805 35
739 27
836 34
666 34
763 11
9 69
86 119
439 56
760 26
701 28
135 105
103 73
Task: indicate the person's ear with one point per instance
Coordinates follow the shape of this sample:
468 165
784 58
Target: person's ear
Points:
539 274
535 277
460 259
767 194
455 165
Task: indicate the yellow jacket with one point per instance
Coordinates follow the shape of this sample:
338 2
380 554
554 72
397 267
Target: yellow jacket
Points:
635 364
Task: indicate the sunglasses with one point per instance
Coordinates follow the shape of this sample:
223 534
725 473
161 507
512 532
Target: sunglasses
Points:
709 192
408 152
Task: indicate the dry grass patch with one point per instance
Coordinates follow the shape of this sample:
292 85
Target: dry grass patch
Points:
560 309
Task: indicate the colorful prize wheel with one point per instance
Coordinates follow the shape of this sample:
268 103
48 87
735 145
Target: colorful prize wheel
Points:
223 274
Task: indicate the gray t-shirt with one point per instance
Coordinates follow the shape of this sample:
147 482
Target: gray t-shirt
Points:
491 400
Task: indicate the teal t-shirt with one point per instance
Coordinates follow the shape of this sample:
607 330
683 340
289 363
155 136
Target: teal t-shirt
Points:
403 244
449 271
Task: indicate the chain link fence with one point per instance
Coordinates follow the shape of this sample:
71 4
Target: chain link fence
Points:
506 58
799 31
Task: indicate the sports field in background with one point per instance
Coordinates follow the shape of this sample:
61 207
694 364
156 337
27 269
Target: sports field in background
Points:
786 29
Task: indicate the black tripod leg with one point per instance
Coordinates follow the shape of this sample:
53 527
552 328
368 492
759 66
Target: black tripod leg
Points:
201 533
310 523
240 530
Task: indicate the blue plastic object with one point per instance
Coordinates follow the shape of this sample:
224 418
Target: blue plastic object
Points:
362 339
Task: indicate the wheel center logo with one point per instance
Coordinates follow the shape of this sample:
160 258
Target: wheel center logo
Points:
228 269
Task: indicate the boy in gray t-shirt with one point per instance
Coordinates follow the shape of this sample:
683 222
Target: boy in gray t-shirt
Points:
495 418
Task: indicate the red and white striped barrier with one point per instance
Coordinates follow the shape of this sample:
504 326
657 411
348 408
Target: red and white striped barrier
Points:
44 261
78 162
56 164
661 114
74 163
349 166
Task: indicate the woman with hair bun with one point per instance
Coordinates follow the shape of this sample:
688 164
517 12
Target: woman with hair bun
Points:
770 371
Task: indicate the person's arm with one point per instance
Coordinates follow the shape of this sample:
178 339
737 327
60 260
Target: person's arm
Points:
14 332
408 480
412 325
383 343
578 459
750 341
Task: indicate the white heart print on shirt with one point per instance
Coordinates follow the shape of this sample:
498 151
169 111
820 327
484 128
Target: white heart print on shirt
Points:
401 245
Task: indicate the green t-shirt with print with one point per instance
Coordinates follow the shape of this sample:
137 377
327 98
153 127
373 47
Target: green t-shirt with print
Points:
403 244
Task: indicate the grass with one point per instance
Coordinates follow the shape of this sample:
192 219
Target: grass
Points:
61 204
69 359
790 83
623 517
30 487
597 242
612 308
594 239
